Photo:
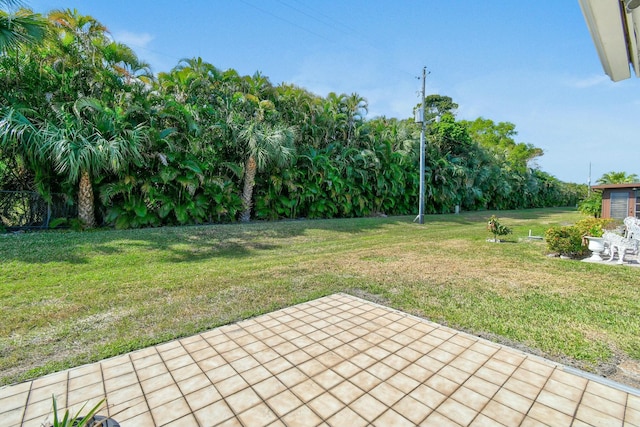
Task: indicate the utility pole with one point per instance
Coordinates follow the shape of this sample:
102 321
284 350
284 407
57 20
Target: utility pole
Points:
589 182
422 150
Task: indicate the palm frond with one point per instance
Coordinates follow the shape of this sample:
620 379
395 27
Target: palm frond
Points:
20 28
11 3
236 169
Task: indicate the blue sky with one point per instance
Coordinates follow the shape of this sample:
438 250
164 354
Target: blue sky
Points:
529 63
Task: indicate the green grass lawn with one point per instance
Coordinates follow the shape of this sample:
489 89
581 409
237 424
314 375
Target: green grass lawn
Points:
70 298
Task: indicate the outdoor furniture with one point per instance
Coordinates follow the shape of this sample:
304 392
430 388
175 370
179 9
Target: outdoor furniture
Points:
628 243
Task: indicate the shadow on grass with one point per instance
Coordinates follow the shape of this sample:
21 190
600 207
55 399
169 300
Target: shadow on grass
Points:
173 244
201 242
80 248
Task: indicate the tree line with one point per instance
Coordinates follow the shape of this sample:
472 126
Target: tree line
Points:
82 115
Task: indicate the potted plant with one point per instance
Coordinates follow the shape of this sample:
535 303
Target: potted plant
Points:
497 229
591 230
596 246
88 420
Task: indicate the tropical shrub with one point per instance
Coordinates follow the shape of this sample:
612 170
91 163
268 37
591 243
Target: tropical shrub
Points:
591 205
594 227
496 228
566 241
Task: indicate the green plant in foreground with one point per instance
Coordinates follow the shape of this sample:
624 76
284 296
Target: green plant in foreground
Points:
496 228
69 420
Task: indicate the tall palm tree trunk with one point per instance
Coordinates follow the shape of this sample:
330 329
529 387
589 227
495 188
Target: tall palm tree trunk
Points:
86 214
250 168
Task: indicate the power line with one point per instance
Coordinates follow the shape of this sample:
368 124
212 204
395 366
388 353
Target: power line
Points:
287 21
365 39
328 22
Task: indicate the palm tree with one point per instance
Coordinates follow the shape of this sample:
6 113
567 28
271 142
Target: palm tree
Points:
84 59
123 61
82 33
355 108
617 178
87 141
80 143
190 79
335 117
73 105
299 107
263 144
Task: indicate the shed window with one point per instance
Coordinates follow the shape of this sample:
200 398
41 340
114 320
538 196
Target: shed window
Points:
619 204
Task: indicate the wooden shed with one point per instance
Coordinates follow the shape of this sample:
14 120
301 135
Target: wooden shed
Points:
620 200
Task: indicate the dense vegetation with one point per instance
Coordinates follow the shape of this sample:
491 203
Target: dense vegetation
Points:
81 115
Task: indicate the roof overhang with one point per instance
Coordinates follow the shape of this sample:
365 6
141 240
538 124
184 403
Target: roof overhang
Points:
627 186
614 26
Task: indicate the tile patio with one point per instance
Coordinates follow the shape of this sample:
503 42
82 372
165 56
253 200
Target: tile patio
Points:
334 361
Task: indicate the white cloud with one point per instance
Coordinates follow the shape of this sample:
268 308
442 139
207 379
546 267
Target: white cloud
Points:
141 43
589 81
133 40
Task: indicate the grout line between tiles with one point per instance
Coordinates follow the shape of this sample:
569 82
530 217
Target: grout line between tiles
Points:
24 410
471 376
181 392
573 417
144 394
104 388
566 368
584 390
